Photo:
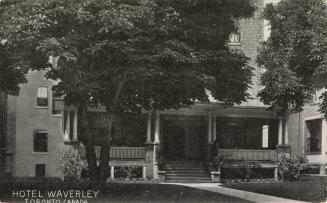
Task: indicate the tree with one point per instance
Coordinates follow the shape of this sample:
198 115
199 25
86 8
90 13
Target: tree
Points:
294 56
129 55
11 74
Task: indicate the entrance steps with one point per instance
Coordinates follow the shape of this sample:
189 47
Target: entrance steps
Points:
186 172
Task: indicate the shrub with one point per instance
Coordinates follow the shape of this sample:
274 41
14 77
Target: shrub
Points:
290 167
128 172
71 165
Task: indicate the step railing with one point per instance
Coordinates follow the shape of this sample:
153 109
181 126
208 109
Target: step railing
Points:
118 152
247 154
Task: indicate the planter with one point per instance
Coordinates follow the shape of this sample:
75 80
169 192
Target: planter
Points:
162 176
215 176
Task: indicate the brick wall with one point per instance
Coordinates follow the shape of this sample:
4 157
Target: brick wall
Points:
252 33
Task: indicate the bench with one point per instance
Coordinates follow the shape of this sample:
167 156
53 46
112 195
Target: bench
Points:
122 157
237 158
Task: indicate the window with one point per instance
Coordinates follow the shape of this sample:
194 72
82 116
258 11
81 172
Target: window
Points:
42 96
40 140
265 136
40 170
313 135
235 38
56 100
247 133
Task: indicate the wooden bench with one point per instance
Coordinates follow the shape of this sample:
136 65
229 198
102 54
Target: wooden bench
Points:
122 157
236 158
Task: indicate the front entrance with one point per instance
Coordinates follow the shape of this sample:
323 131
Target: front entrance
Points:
183 137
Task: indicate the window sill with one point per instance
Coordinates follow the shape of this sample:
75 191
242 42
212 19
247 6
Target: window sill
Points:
71 142
41 107
234 43
314 153
40 153
56 115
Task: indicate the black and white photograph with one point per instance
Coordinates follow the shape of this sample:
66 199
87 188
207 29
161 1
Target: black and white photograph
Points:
163 101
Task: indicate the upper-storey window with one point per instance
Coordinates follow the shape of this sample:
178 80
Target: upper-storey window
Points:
235 37
40 140
42 97
56 100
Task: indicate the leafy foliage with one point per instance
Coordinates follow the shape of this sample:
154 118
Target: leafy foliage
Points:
129 55
289 166
11 75
295 54
131 172
138 49
71 164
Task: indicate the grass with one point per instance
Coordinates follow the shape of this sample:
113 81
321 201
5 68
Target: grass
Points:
308 189
120 192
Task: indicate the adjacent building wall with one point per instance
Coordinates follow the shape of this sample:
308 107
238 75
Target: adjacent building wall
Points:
28 117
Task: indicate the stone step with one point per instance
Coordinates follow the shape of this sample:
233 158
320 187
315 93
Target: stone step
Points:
188 174
191 172
190 179
185 171
187 181
184 165
188 165
184 168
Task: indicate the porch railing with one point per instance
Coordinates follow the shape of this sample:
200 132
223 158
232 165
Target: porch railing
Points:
119 152
248 154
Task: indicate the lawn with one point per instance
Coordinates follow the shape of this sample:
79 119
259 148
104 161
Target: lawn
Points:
121 192
307 189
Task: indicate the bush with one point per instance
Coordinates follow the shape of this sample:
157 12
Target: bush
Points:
71 165
128 172
291 167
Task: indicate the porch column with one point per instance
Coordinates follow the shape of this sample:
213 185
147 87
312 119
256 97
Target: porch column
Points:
151 169
155 146
157 129
283 136
75 126
280 132
144 172
112 172
214 129
148 129
209 128
286 131
67 129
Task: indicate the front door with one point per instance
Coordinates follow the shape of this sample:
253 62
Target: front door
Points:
195 138
173 138
183 137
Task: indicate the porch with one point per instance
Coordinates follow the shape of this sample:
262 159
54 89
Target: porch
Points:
157 137
136 157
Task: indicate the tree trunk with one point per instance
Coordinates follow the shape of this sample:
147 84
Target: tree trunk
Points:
105 147
89 145
105 152
91 162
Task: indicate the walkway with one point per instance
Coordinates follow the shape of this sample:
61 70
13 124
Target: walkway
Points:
250 196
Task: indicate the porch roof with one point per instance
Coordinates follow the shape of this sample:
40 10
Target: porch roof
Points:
200 109
219 109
